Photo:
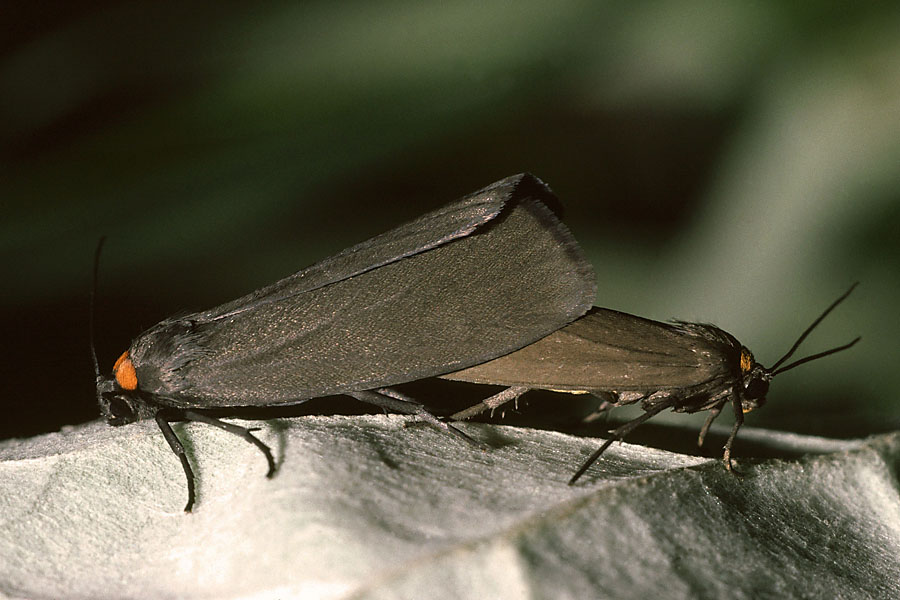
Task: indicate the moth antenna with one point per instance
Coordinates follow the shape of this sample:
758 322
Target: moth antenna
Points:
799 362
92 306
774 368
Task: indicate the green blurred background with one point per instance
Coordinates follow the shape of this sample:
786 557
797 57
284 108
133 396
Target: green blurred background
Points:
726 161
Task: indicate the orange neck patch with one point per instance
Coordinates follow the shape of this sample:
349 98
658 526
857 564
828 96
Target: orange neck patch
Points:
746 360
125 374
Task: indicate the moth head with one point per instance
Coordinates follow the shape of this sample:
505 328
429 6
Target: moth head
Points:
755 380
755 377
117 409
118 397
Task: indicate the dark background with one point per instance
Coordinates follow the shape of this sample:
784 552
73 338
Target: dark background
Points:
728 162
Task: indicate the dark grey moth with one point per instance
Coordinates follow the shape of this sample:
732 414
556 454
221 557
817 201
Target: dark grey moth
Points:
474 280
624 359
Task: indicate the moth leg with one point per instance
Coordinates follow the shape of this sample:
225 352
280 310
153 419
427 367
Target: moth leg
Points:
601 411
738 421
618 435
237 430
394 400
713 413
491 403
178 449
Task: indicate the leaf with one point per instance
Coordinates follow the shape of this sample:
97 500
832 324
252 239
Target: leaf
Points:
365 507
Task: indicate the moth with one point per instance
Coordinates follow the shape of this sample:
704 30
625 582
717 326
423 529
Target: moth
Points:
625 359
476 279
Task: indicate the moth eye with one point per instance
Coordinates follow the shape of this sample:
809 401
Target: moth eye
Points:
120 411
756 388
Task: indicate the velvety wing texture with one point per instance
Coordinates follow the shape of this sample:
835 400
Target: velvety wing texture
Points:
467 283
607 350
